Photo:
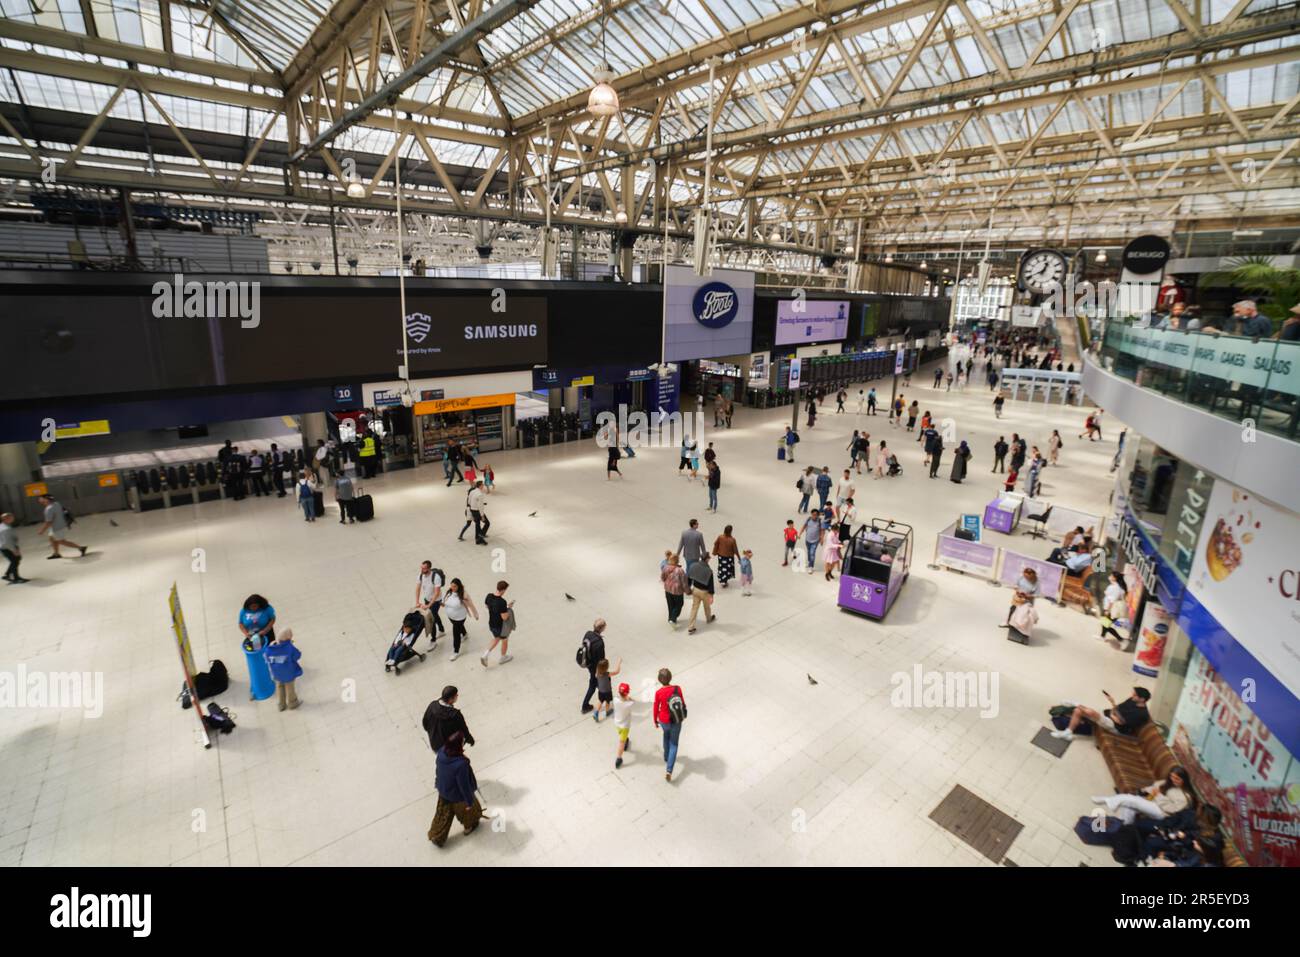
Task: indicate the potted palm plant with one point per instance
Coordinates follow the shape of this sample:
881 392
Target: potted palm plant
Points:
1277 287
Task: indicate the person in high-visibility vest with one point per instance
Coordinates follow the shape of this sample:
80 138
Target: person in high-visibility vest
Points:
368 456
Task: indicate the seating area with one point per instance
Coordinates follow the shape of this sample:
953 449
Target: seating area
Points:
1134 762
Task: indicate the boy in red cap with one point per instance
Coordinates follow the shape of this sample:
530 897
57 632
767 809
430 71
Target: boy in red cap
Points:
623 721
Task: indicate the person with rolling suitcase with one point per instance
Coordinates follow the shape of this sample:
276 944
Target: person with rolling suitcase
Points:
344 496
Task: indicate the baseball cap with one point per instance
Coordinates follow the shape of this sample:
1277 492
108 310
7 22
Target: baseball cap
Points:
624 688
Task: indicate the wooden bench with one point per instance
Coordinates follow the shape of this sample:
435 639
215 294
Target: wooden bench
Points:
1137 760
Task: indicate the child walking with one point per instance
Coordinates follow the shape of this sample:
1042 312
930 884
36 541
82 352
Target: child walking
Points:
604 690
746 572
832 553
623 721
791 537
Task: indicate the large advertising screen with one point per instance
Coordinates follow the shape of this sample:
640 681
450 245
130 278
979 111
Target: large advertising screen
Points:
706 317
77 345
801 321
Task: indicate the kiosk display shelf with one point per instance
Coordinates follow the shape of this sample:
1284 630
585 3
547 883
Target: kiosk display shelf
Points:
1003 513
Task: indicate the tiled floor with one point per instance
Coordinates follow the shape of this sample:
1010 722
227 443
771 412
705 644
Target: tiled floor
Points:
772 768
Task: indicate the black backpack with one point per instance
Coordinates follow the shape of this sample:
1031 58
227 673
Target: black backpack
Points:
68 517
583 657
219 719
677 706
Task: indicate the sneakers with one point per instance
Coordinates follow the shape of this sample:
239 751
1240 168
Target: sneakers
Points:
1065 735
50 558
587 709
618 763
596 717
454 656
482 659
668 776
505 658
83 550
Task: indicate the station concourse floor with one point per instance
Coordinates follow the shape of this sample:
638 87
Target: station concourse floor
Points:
772 769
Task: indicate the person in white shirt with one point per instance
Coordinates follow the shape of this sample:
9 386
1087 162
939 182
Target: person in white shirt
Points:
848 514
844 490
428 597
476 510
623 721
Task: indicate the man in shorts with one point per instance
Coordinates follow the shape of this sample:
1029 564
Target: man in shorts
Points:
56 526
1126 718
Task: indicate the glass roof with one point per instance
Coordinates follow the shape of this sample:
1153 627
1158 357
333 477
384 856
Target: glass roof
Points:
540 62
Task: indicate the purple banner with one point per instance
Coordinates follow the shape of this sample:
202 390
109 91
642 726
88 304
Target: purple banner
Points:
967 556
864 597
1051 577
810 320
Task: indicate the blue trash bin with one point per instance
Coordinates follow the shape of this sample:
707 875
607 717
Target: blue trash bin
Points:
261 685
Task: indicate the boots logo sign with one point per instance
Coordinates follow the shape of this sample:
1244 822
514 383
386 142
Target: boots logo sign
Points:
715 305
417 326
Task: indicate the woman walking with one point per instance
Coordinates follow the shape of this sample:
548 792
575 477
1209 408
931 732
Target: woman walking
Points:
832 554
807 488
675 585
812 412
458 606
1054 446
960 458
912 411
1026 592
882 459
715 483
726 550
611 467
456 784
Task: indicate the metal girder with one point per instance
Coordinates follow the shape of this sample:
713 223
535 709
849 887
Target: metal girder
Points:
989 87
442 52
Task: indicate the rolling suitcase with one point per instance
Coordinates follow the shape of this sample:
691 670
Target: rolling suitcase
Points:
318 498
363 508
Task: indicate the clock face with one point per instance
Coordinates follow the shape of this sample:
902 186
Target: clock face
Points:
1040 269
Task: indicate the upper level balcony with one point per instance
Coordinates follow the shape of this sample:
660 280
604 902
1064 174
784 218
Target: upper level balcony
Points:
1231 404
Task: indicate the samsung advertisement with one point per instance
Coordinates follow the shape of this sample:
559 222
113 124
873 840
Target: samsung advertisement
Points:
801 321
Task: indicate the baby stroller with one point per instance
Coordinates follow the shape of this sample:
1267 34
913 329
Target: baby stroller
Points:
402 649
894 467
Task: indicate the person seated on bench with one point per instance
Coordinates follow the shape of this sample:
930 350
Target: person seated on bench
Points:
1125 718
1158 801
1075 558
1199 844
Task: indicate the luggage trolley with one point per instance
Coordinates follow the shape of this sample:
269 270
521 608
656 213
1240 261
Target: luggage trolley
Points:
877 561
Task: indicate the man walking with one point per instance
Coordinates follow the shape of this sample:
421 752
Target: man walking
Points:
593 642
702 591
1000 454
824 483
812 537
669 713
690 548
442 719
934 450
56 525
476 502
453 457
9 548
428 598
500 623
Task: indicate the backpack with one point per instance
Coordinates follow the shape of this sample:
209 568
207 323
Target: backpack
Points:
210 683
219 719
583 657
794 437
68 517
676 706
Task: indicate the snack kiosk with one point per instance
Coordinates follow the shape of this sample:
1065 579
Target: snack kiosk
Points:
877 561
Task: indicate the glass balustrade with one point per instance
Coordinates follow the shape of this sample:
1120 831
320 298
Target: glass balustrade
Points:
1234 377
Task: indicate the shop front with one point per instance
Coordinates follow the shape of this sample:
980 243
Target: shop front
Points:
476 410
590 390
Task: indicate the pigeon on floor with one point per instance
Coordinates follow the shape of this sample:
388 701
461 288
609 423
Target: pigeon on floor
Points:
570 597
532 514
113 523
812 680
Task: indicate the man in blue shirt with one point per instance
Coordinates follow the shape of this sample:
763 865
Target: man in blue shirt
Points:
1251 323
824 485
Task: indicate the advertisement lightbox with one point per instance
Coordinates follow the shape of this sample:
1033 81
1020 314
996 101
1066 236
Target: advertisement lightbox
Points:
800 321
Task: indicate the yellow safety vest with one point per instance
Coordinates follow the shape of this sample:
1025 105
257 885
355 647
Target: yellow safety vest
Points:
368 447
